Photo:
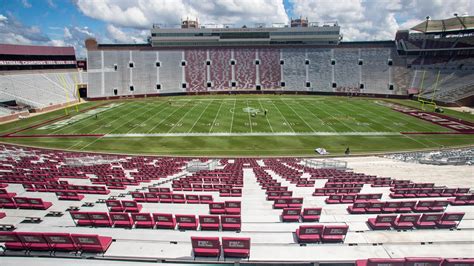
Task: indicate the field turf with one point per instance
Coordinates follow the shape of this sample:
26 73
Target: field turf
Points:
234 125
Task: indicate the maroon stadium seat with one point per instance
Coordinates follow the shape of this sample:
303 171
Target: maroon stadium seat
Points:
406 221
121 219
217 208
11 240
100 219
381 262
92 243
311 214
209 222
309 233
291 215
60 242
231 222
334 233
428 220
232 207
143 220
236 247
186 221
382 222
450 220
416 261
206 246
34 241
164 220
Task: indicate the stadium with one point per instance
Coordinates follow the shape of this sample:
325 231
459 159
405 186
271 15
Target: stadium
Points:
253 145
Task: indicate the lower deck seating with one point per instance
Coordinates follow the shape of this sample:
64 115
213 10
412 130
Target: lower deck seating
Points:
32 241
418 221
233 247
320 233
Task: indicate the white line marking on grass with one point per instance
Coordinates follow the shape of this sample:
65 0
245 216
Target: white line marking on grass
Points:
138 109
182 117
322 122
232 121
200 115
224 134
162 120
151 116
263 109
310 127
335 119
286 121
102 117
250 120
215 118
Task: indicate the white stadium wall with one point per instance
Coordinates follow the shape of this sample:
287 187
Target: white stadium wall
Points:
246 69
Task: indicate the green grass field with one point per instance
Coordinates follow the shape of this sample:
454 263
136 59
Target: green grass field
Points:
235 125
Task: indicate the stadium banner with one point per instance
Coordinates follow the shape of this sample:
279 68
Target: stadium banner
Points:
36 62
458 125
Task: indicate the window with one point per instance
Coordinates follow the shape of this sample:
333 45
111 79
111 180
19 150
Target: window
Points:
132 88
130 65
158 86
157 64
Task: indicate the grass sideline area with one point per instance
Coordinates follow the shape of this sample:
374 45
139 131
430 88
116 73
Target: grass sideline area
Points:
236 125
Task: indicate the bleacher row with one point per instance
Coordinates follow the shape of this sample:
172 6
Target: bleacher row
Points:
157 220
282 182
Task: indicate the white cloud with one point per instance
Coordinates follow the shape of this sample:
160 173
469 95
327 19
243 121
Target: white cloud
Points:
51 3
13 31
119 35
26 4
378 19
143 13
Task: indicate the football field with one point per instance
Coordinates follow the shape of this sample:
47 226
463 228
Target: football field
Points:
270 124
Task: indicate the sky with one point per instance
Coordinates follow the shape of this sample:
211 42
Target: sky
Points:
70 22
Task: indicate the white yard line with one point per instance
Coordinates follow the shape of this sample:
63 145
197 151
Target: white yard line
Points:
150 116
162 120
233 113
200 116
250 120
183 116
120 117
302 105
286 121
299 116
335 119
132 135
82 120
215 118
263 109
